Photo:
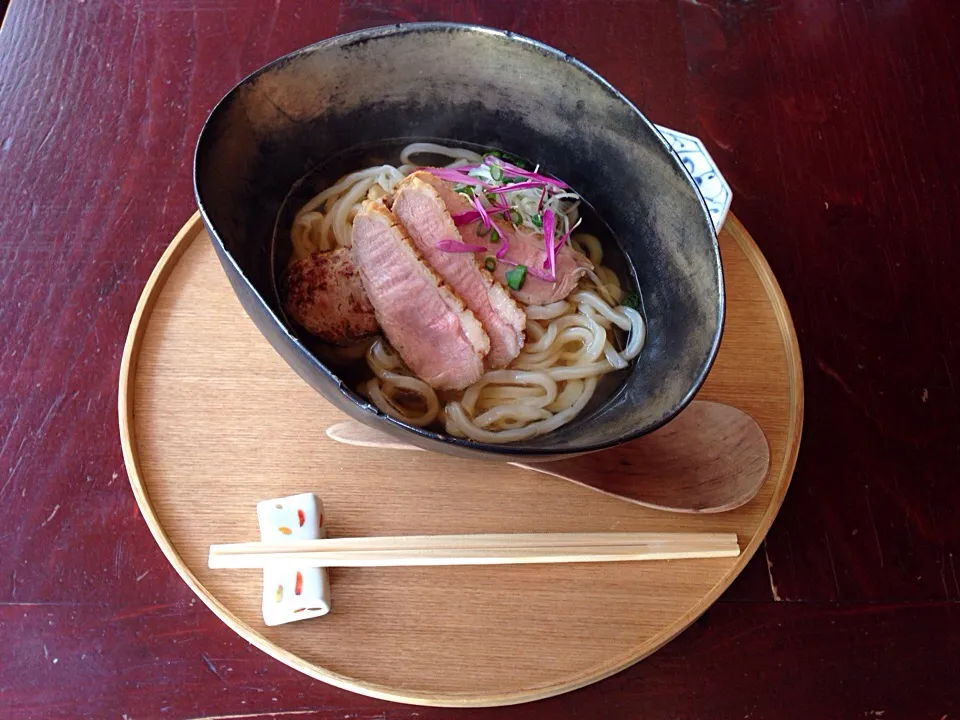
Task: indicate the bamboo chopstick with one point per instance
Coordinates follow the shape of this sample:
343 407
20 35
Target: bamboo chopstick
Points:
493 549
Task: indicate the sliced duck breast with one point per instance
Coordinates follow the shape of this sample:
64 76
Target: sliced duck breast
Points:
437 336
522 249
424 215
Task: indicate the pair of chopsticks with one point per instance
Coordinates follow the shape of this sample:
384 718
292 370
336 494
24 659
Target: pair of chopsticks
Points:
492 549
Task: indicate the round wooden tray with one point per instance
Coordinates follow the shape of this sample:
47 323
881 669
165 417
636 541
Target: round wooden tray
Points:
212 420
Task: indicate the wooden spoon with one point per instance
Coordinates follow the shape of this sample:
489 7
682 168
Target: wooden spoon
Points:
711 458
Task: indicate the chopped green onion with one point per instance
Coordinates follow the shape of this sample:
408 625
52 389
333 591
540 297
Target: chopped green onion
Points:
490 264
537 221
509 157
494 235
515 216
515 277
522 164
496 173
483 231
631 301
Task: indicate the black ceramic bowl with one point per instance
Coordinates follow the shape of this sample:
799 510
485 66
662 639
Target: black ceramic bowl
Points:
490 88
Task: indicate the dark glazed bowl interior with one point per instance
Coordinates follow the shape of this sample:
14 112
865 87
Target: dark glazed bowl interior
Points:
483 87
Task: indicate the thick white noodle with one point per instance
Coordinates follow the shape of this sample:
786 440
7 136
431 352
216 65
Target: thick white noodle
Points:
548 312
458 422
390 377
570 343
433 149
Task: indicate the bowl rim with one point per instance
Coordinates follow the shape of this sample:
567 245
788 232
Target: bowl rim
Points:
507 450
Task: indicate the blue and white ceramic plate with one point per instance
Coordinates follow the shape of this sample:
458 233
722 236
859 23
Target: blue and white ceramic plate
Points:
715 190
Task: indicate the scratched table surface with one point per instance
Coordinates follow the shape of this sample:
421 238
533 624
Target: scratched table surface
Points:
836 124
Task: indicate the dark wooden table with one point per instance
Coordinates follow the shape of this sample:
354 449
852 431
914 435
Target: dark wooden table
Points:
836 123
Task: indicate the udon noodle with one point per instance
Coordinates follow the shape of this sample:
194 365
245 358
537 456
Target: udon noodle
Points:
570 344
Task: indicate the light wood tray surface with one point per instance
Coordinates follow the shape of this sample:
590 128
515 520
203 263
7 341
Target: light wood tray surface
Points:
212 420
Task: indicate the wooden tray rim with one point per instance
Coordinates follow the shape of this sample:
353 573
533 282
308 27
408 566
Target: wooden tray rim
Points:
125 405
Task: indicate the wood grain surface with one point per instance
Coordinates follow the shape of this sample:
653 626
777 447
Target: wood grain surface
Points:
835 122
206 437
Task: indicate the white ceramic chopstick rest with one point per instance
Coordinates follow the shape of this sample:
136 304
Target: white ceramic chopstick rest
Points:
291 593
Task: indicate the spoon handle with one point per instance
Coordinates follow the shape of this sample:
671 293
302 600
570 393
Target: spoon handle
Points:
351 432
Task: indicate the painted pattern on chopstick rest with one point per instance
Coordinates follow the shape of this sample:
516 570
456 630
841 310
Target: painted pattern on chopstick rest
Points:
291 593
